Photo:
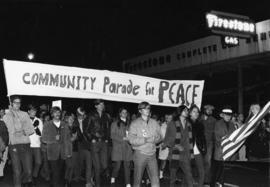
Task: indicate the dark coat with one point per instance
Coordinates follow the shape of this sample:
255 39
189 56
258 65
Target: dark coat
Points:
96 127
57 148
121 149
209 127
221 129
81 141
198 136
3 136
170 137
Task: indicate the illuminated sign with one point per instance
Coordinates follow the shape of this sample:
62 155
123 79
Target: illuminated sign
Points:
230 40
230 24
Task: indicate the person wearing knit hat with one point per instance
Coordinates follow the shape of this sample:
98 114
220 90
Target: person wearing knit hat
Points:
223 127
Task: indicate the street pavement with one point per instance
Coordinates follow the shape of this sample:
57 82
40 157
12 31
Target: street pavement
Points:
237 174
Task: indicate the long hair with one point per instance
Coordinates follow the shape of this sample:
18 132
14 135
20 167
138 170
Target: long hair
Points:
191 108
119 121
179 111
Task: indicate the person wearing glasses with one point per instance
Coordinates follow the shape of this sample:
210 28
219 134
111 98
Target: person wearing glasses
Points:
19 129
144 133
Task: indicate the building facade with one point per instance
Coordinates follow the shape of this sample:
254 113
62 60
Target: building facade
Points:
236 75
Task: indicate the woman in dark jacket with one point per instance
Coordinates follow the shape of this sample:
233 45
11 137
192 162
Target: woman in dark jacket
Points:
199 142
121 149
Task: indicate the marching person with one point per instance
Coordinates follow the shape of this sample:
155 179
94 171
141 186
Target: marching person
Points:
199 142
143 135
164 153
70 162
35 141
179 139
208 122
121 149
45 170
19 128
56 136
84 147
223 127
97 130
3 143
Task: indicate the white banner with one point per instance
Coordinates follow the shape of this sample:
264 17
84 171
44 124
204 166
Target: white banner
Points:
25 78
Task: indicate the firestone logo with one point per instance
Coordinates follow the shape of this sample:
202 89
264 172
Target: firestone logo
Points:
215 21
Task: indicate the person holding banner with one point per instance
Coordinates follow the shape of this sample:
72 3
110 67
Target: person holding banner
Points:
223 127
143 135
35 141
19 128
56 136
97 130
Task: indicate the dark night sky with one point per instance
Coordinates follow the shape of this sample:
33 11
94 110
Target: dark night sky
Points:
101 34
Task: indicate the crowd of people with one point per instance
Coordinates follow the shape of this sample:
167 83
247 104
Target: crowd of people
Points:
66 147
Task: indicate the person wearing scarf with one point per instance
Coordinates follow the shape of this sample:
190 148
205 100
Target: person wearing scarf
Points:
179 139
121 149
19 128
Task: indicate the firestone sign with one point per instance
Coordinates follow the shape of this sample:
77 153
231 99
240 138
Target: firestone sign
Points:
230 24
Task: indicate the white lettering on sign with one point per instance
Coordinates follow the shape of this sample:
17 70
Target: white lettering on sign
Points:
231 40
214 21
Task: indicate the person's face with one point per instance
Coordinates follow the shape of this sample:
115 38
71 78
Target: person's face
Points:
80 117
123 114
155 117
184 113
194 114
255 109
227 117
100 106
47 118
168 118
209 112
56 115
32 113
16 104
145 111
241 117
70 120
2 113
133 117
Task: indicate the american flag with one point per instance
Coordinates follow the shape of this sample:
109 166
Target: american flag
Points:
232 142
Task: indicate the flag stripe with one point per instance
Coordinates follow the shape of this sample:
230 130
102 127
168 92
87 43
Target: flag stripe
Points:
231 143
